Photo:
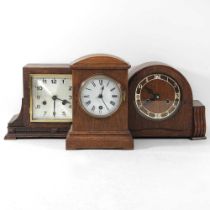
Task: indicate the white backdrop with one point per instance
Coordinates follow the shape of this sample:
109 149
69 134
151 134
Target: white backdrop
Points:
158 174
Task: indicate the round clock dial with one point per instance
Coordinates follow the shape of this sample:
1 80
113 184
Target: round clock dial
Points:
100 96
157 96
51 98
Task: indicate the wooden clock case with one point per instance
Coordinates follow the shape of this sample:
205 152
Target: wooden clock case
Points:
87 131
20 126
188 121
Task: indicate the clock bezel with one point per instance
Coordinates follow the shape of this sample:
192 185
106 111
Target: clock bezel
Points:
100 116
47 75
170 114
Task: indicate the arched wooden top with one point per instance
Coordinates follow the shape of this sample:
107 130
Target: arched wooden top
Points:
164 69
99 61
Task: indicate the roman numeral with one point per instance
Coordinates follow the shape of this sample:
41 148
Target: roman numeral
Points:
113 89
93 108
114 96
87 102
86 96
112 103
93 83
88 88
101 82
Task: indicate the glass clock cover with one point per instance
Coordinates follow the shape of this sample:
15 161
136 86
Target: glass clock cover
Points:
100 96
51 98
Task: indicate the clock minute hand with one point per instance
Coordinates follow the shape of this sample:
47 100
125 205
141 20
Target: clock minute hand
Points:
101 97
104 103
54 100
149 90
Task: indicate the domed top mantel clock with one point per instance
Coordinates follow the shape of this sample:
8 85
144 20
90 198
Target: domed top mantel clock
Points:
161 105
100 104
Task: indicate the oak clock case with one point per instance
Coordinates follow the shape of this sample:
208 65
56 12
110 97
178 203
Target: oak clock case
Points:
100 104
46 110
161 105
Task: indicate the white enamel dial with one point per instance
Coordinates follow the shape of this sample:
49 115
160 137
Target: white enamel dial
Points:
100 96
51 98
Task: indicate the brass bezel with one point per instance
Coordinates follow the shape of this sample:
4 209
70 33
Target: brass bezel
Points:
31 76
122 96
163 118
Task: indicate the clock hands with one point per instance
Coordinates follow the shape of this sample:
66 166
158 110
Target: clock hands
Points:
101 97
155 96
64 102
54 100
149 90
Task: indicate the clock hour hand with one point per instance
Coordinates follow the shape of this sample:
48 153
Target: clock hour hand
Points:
149 90
64 101
155 95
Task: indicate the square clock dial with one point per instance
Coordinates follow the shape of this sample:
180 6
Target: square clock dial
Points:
51 98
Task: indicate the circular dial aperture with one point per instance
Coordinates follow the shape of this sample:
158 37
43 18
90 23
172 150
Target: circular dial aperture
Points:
157 96
100 96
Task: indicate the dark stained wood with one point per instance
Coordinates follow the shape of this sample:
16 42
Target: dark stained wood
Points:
20 126
90 132
199 120
178 125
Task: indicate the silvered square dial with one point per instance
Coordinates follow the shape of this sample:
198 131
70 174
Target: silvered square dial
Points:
51 98
157 96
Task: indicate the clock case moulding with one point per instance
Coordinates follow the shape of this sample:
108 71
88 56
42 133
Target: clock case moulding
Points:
90 132
189 120
20 126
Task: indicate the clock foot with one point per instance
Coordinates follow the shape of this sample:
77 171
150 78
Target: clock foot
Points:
199 138
17 130
99 140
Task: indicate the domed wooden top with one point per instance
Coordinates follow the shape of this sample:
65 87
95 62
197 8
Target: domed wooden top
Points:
99 61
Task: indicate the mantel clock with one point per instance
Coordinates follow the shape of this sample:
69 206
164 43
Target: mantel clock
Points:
47 103
100 104
161 105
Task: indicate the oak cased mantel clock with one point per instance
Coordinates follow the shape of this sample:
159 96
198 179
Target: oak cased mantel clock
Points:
100 104
47 103
161 105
